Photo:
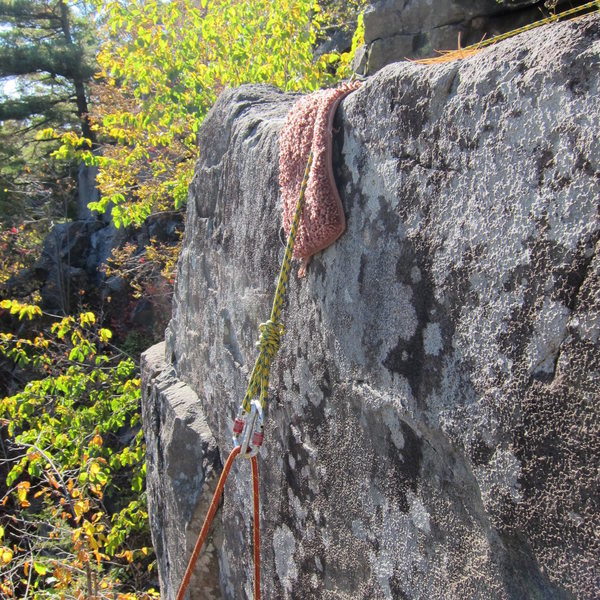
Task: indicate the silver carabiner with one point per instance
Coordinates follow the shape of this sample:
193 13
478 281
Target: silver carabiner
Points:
248 432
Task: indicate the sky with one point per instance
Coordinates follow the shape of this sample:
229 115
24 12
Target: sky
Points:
8 87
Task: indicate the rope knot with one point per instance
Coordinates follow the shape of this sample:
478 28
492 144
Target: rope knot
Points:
270 334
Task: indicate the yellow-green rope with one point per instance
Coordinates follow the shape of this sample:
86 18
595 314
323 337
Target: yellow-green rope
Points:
545 21
272 330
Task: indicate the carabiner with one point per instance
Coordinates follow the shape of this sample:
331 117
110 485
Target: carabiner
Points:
250 429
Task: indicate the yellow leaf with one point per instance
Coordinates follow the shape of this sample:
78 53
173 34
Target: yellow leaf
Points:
6 555
87 318
105 335
81 507
94 468
22 490
89 529
127 554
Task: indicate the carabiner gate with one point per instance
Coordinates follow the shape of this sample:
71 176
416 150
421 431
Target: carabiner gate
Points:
248 431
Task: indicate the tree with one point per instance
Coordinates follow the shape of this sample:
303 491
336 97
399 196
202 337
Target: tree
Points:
47 46
46 62
74 521
162 64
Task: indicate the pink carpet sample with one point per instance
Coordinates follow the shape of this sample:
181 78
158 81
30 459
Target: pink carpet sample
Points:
308 126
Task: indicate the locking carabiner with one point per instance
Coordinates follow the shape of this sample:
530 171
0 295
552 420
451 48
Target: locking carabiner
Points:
248 431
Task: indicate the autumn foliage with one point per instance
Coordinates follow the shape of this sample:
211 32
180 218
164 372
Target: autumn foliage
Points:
75 521
161 67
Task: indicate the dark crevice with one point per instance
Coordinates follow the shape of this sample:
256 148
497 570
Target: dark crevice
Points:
582 275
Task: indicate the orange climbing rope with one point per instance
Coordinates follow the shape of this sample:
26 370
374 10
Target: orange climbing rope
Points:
254 462
210 516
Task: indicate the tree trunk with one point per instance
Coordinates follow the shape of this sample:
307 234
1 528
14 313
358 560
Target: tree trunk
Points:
78 82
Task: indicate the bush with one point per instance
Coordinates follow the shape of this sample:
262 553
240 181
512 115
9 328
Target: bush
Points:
75 520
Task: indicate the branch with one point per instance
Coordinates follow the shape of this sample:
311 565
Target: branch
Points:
58 475
25 9
55 59
30 574
28 106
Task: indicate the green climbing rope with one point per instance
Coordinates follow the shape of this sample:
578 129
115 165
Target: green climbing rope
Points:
272 330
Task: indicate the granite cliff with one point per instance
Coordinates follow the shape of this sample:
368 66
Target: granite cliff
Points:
433 426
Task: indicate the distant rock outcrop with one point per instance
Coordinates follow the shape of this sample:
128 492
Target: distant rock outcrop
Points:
396 29
433 427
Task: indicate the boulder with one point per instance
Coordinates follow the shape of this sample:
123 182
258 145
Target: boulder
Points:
63 267
433 425
182 454
397 29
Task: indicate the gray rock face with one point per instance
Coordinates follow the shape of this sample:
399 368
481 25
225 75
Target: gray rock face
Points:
432 431
400 29
64 264
182 461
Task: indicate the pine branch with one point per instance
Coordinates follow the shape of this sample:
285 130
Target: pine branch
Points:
54 59
26 9
28 106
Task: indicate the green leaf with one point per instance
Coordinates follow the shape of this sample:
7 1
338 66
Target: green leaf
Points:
15 473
